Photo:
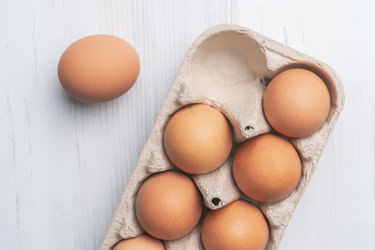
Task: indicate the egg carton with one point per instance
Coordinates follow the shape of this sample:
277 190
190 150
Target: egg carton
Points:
228 67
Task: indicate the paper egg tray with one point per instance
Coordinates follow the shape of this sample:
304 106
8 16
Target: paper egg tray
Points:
228 67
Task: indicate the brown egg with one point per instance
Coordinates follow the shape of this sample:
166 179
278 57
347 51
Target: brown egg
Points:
267 168
168 205
198 139
296 102
239 225
143 241
98 68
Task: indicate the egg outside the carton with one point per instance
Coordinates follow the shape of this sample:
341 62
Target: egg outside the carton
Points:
98 68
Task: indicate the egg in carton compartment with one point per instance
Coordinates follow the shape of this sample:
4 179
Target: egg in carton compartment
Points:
228 67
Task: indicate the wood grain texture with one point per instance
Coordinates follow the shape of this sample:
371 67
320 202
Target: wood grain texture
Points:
64 164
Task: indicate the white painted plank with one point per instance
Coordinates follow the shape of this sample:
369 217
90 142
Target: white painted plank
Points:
63 164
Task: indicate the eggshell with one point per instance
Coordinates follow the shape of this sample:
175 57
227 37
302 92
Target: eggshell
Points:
267 168
98 68
296 102
198 139
239 225
168 205
141 242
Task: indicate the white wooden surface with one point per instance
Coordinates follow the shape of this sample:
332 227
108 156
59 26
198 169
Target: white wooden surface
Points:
63 164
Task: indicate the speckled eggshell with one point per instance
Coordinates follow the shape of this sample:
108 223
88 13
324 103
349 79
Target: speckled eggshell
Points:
198 139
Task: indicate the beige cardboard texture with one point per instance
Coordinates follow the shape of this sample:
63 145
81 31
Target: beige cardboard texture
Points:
228 67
